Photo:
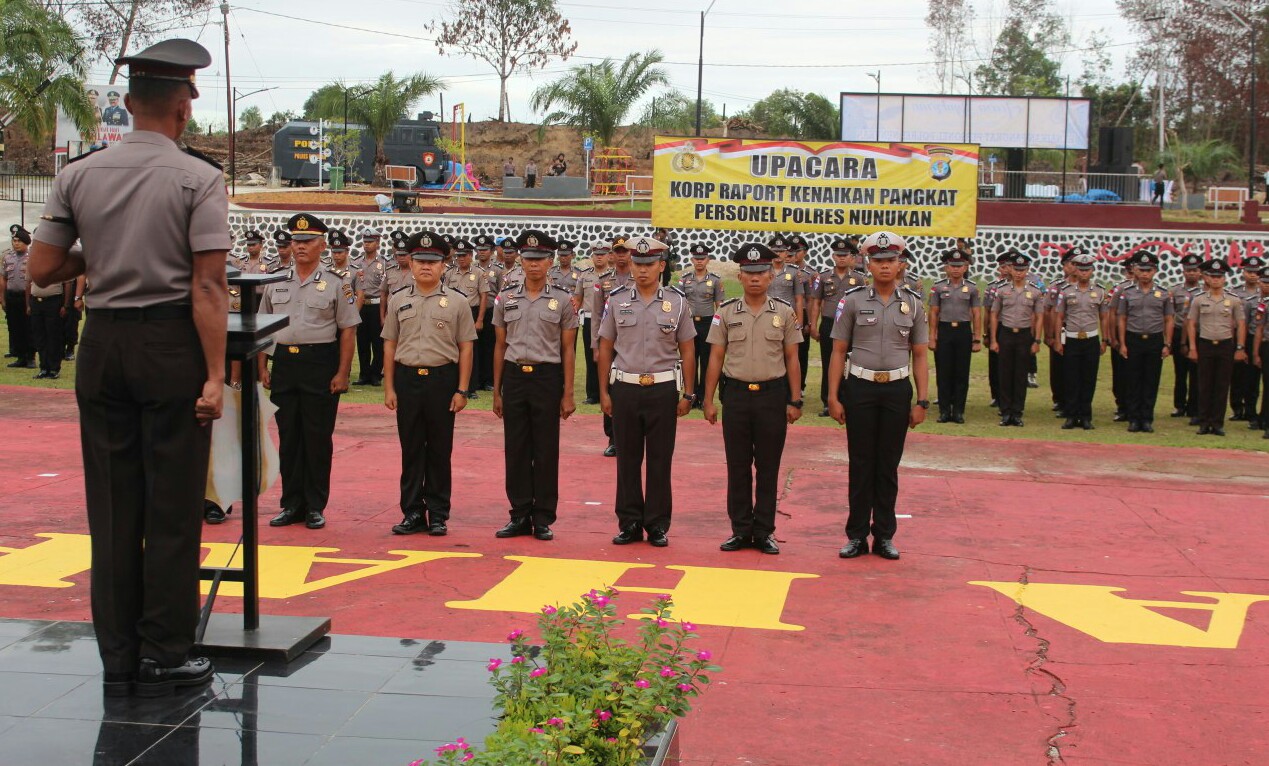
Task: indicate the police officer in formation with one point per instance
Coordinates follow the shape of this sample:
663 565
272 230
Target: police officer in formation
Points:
563 274
1118 377
1244 387
428 343
1052 329
1081 340
799 249
826 289
1258 312
590 307
282 242
534 362
1145 323
482 363
46 310
786 283
879 352
13 279
989 298
1017 313
704 291
754 358
370 272
617 277
253 262
311 364
956 321
472 281
645 347
1185 382
1216 326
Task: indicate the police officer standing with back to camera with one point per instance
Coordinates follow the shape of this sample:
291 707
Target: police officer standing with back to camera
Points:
645 347
1217 328
428 342
704 291
1185 381
754 357
369 343
1080 312
826 290
312 359
1145 323
1016 314
533 386
879 352
956 320
151 368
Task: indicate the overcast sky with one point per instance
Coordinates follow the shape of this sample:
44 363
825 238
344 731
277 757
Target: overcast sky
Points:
811 45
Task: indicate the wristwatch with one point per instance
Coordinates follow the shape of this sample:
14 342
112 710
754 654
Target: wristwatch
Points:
689 397
797 403
1239 347
923 404
461 392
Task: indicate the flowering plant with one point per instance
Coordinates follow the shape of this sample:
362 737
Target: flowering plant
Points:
585 696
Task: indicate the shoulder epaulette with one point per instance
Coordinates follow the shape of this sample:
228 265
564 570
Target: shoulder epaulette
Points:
191 151
911 291
712 274
941 281
399 289
856 288
341 274
781 300
728 302
674 289
618 289
85 154
459 291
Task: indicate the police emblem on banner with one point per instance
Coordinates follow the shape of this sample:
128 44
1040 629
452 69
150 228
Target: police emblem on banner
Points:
687 160
940 162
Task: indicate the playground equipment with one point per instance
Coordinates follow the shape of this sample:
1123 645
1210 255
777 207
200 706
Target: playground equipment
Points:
609 169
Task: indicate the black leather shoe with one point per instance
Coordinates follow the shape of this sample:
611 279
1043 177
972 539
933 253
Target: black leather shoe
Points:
944 417
154 680
958 418
994 403
118 684
1239 414
472 395
214 514
1017 421
1057 407
1178 413
70 357
1006 420
824 412
53 376
487 387
611 450
412 524
437 529
1204 430
1255 424
516 528
314 520
1216 431
41 375
885 549
376 382
361 382
18 364
734 543
1133 427
1195 422
1147 427
1266 436
589 400
287 517
1087 424
853 548
767 545
627 536
1069 424
1120 417
543 532
658 538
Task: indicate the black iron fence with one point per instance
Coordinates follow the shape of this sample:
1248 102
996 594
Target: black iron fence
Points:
25 188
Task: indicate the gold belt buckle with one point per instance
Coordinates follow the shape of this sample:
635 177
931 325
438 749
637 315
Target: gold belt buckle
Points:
881 377
1145 336
645 379
1016 329
1216 343
755 387
526 368
956 324
293 349
423 371
1082 336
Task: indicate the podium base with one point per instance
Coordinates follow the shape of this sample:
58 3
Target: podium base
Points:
278 639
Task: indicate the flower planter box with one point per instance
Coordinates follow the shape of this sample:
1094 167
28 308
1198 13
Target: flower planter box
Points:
662 748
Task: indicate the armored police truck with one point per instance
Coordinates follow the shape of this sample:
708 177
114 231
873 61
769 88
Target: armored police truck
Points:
410 142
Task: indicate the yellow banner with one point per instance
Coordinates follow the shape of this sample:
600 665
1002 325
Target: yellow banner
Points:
815 186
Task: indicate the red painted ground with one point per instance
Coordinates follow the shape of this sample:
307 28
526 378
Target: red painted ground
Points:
900 662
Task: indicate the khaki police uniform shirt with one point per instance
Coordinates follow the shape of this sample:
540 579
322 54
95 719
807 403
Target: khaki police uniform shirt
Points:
646 335
754 342
913 283
829 286
564 278
471 282
1081 310
807 276
1017 305
534 325
785 284
1181 297
395 278
1257 309
609 282
510 278
1051 295
47 292
955 302
142 207
15 271
880 334
1217 319
373 274
250 265
703 293
583 289
349 274
1145 310
428 327
319 307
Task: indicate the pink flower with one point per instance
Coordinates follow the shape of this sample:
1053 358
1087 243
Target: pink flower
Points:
536 730
513 635
689 627
494 663
662 623
556 722
663 597
612 740
685 687
603 715
447 748
517 660
642 683
704 656
468 757
667 672
549 610
537 672
600 601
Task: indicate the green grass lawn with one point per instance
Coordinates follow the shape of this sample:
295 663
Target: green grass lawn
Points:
981 420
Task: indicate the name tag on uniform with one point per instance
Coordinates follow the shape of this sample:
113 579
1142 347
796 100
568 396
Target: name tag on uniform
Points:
734 324
511 306
865 311
625 311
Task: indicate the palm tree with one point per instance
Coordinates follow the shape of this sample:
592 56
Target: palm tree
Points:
1197 160
42 68
379 106
596 98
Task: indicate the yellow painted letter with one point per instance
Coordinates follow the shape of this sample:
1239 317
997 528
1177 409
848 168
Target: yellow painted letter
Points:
46 564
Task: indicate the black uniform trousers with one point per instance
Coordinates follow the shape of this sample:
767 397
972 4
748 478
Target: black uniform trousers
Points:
701 344
482 359
951 360
1215 368
425 427
1244 388
21 344
993 374
804 352
754 431
1264 385
1185 387
1118 380
480 369
826 354
48 331
1057 379
139 375
300 388
1141 375
876 429
644 424
1015 351
531 439
70 330
370 344
592 367
1082 360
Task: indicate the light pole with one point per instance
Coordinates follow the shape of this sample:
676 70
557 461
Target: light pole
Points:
969 107
1158 77
877 76
233 132
1251 114
229 96
700 67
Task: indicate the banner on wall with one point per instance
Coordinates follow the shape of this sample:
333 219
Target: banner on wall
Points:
113 121
815 186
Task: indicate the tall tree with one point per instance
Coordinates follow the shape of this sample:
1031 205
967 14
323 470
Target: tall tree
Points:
509 35
1022 61
122 25
42 68
387 101
675 112
788 113
251 118
596 98
949 22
